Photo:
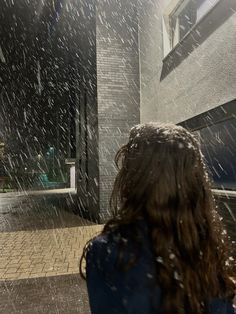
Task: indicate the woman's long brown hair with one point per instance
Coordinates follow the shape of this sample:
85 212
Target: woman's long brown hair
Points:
162 178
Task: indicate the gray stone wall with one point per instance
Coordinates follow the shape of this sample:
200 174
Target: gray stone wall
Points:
117 86
203 80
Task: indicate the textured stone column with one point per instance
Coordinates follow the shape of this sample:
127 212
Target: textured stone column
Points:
117 86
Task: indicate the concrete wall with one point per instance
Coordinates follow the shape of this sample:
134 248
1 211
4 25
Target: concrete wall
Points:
117 86
200 76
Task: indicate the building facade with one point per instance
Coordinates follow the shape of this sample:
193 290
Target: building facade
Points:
77 75
110 101
69 90
187 76
184 67
187 57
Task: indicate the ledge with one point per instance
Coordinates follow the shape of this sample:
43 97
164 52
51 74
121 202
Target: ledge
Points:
217 115
224 193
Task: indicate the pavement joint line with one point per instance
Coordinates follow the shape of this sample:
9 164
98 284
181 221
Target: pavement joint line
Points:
43 253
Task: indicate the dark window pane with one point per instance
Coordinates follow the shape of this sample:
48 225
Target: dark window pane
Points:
219 148
187 18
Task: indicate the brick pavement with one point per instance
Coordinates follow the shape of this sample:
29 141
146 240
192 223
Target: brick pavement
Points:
43 253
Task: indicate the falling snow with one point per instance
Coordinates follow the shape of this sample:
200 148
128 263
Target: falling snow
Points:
75 77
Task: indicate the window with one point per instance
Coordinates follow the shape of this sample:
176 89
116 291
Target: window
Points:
180 17
219 149
216 129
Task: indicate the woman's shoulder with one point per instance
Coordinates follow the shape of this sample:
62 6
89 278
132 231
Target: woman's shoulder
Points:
122 234
98 244
104 238
102 245
103 254
119 245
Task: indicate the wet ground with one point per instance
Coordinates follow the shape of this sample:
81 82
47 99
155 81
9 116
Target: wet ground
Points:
59 295
41 241
36 211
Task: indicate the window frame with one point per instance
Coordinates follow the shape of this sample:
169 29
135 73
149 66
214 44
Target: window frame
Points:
168 13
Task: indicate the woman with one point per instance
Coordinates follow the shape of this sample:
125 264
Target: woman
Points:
165 250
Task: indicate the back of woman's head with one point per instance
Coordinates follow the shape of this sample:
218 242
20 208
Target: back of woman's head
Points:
161 164
162 178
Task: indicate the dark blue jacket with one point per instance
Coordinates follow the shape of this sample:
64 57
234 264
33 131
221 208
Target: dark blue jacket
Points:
113 291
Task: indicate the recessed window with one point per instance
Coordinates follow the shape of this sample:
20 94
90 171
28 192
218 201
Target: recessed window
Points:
180 17
219 149
216 129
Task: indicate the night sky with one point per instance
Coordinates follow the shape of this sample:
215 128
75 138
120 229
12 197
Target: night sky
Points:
39 78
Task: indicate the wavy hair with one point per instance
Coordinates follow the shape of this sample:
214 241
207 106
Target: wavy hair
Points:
162 178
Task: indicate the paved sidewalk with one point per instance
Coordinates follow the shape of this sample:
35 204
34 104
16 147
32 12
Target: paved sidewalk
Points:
45 295
39 211
43 253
